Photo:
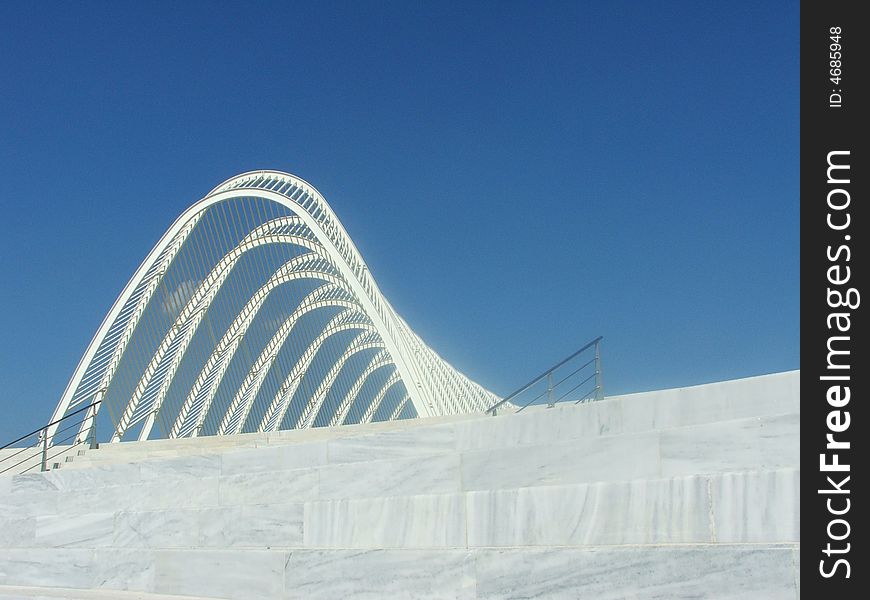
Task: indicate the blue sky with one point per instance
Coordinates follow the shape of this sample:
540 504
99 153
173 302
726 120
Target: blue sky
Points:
519 176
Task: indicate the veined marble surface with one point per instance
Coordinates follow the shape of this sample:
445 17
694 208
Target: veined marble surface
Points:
38 566
664 572
586 460
796 561
636 512
71 480
394 522
275 458
269 488
437 439
538 426
156 529
648 573
232 574
757 506
253 526
755 443
634 413
745 507
379 574
123 569
32 483
667 494
153 495
181 467
17 531
395 477
774 394
27 504
84 531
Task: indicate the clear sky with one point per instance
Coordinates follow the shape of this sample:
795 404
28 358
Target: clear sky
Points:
520 176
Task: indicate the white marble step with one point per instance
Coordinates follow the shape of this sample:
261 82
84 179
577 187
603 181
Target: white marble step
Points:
679 493
755 396
235 478
742 507
666 571
743 444
168 448
17 460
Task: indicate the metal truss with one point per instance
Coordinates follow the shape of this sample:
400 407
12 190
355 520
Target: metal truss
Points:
256 312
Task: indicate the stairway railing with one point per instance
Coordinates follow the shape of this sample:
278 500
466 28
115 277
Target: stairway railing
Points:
41 453
565 378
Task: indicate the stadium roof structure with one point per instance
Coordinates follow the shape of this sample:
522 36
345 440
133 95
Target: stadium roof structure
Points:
256 312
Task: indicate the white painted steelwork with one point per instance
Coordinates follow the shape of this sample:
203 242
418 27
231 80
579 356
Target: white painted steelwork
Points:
256 312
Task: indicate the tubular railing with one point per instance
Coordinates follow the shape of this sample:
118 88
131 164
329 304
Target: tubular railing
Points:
18 458
574 379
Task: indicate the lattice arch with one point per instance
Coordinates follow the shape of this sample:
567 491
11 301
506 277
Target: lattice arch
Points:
256 312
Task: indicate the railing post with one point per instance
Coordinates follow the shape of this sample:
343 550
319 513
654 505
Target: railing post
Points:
599 387
43 463
92 434
597 393
550 403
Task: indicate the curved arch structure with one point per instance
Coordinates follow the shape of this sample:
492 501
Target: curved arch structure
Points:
256 312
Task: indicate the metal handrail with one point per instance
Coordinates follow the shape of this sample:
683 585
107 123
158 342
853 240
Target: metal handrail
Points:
42 445
598 389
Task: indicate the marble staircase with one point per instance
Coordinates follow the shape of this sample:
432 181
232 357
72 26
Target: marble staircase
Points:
691 492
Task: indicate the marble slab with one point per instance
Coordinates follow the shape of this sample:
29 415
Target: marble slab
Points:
28 504
33 483
269 488
760 506
766 395
541 425
153 495
660 572
156 529
744 444
607 458
396 522
96 476
82 531
123 569
408 443
64 567
232 574
17 532
274 458
779 441
379 574
195 466
796 561
636 512
257 526
398 477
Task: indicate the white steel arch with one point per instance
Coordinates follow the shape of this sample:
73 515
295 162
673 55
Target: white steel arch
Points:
319 298
240 294
378 361
281 403
368 415
360 343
